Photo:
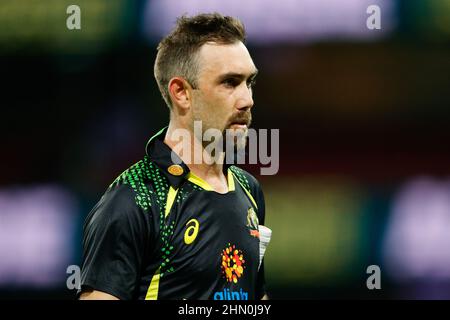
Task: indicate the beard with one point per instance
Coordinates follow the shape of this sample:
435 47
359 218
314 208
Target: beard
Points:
237 129
231 136
236 137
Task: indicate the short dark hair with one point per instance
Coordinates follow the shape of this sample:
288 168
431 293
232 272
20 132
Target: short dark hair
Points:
177 52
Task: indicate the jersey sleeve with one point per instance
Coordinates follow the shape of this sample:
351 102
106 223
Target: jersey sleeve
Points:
115 236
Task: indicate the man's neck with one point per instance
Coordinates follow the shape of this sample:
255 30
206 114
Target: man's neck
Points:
207 169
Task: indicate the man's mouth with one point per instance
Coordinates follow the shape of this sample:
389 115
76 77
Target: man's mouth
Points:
240 123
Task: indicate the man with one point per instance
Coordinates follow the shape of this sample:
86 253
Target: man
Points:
171 227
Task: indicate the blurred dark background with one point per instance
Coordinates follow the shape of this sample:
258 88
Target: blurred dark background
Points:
363 116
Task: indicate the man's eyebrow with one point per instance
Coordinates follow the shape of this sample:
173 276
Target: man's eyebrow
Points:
237 75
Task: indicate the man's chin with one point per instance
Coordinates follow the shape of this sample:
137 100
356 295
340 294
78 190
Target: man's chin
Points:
236 127
237 131
238 138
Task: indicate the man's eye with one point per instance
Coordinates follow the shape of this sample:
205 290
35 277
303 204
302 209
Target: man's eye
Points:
231 83
251 83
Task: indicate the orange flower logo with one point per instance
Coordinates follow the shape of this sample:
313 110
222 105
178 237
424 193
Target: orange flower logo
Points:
232 263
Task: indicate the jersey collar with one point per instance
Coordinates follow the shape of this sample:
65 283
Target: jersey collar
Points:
161 154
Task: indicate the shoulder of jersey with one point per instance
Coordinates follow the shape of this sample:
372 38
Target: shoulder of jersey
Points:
245 178
145 179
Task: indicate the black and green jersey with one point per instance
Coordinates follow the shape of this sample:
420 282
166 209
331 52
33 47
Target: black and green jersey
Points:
160 232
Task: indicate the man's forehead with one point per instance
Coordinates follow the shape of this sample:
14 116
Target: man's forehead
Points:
218 59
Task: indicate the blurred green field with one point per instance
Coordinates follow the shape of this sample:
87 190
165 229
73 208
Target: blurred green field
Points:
318 226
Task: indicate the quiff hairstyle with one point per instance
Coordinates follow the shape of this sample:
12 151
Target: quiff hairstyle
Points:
177 52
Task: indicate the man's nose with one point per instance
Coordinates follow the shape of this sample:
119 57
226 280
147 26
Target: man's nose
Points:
245 98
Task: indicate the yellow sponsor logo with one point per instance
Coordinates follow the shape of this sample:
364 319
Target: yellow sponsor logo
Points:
191 231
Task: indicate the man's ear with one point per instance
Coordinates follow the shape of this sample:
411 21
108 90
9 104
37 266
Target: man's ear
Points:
179 91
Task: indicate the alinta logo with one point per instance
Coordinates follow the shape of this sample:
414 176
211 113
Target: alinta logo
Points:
232 263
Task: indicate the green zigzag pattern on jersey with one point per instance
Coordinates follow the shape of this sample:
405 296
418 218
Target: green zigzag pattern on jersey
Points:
136 177
238 172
